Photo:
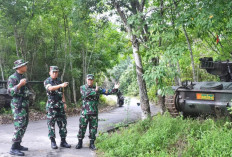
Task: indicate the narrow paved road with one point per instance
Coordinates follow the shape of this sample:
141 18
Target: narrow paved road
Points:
39 145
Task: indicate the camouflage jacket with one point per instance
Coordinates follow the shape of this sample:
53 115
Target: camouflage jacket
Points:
20 96
54 97
90 98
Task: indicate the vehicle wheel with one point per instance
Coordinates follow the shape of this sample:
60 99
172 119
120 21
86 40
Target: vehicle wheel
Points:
170 105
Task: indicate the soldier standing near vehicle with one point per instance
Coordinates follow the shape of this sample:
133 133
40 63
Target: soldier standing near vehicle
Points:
16 87
55 107
90 96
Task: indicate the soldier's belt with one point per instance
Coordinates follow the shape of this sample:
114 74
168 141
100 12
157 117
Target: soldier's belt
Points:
90 99
55 97
21 97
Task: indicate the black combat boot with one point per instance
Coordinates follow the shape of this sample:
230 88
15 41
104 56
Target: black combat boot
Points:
79 145
53 143
92 146
22 148
64 144
15 150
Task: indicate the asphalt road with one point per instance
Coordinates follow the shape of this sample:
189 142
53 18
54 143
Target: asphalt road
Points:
37 141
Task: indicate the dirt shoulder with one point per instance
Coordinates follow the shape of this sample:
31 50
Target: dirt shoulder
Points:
35 115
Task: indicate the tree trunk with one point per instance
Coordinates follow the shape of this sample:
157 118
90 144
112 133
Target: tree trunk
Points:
161 102
177 78
84 58
161 22
189 45
144 101
73 85
71 66
85 68
191 54
65 48
32 64
62 76
1 68
16 41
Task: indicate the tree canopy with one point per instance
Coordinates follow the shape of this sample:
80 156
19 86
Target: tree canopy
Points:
148 45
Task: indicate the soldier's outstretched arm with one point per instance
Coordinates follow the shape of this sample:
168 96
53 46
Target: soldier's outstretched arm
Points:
53 88
110 91
107 91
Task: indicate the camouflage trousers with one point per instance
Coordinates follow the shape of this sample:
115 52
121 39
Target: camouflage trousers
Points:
20 114
93 124
56 115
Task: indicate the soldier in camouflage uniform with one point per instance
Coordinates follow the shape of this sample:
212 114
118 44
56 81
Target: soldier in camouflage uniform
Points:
55 107
16 87
90 96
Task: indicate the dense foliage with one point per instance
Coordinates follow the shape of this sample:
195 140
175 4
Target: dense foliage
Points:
88 36
167 136
63 33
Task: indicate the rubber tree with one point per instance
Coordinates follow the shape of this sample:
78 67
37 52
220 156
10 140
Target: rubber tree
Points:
131 15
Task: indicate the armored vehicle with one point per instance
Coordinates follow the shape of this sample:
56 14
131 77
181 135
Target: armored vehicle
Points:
204 98
5 99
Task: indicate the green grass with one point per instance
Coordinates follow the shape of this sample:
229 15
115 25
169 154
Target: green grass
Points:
166 136
106 101
5 111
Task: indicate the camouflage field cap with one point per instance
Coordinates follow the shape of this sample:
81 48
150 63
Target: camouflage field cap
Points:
54 68
90 76
19 63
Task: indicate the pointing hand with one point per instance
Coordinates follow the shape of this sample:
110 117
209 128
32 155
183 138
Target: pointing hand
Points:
96 87
65 84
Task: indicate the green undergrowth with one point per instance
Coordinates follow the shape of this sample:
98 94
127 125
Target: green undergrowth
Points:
106 101
167 136
41 105
5 111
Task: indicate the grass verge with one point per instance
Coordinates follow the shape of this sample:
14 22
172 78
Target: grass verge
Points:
167 136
